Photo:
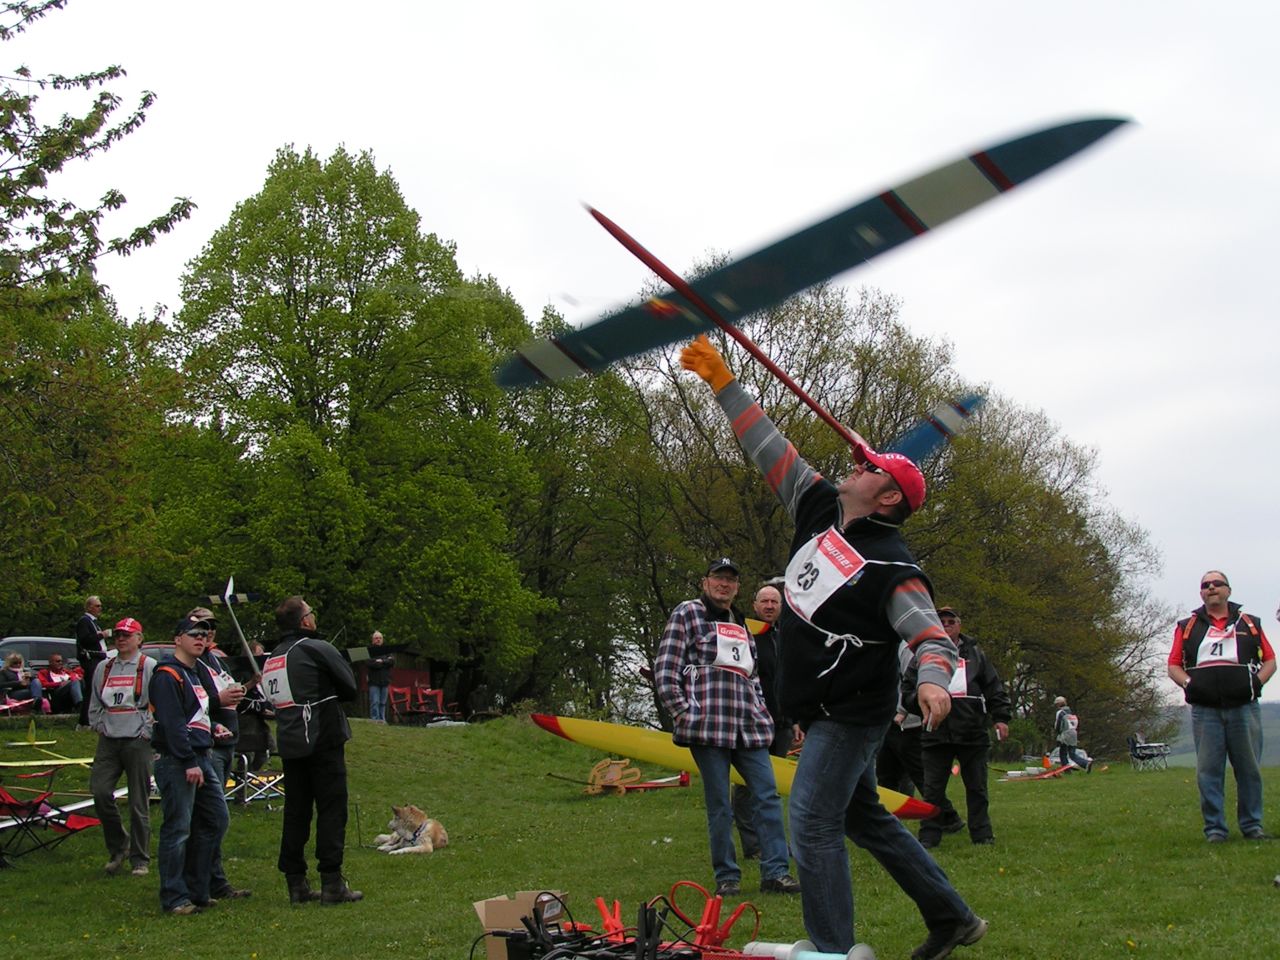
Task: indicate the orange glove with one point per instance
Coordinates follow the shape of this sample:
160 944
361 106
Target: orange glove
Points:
705 360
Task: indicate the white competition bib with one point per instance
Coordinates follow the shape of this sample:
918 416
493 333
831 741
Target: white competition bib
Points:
1218 647
820 568
200 719
275 682
733 649
959 685
118 693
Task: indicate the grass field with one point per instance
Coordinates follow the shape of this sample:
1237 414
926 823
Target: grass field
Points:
1106 865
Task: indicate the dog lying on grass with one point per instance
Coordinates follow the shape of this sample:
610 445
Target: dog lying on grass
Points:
412 831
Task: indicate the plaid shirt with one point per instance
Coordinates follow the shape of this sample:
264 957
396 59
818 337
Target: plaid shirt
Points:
709 706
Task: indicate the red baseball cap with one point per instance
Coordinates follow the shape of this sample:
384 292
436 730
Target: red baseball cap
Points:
903 470
128 625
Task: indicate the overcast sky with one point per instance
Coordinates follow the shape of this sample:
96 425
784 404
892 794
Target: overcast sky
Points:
1130 294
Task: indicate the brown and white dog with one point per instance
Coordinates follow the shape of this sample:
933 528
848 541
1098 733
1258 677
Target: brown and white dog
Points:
412 831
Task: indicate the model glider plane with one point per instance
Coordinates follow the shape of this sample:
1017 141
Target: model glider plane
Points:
795 263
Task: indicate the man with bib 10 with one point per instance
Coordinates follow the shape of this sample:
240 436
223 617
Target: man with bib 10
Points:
705 675
306 680
1221 658
853 593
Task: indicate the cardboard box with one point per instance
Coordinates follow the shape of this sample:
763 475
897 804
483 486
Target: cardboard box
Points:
504 913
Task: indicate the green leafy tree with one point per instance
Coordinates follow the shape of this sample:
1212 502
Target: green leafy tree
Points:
80 391
339 351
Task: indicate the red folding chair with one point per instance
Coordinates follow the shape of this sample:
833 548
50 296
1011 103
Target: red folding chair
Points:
403 709
37 823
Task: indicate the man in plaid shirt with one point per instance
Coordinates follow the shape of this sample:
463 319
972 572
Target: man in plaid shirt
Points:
705 674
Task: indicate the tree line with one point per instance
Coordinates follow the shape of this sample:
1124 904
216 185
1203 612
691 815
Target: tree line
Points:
319 417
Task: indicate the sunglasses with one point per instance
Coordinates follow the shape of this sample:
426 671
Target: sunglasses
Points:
200 634
870 467
1213 583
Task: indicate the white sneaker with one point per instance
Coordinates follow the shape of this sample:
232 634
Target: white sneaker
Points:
141 870
114 864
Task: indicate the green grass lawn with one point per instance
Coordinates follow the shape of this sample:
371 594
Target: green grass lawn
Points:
1109 864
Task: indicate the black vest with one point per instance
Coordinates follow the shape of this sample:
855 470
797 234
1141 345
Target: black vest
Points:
853 684
1222 685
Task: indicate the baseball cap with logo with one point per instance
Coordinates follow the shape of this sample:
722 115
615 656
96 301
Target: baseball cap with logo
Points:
723 563
903 470
128 625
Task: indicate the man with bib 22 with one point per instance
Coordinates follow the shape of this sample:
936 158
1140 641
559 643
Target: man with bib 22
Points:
705 674
853 593
1221 658
307 680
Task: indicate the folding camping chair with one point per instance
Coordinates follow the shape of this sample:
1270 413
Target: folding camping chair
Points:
1148 756
245 785
37 823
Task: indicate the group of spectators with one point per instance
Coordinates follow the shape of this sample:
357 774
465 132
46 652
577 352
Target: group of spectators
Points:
177 719
55 688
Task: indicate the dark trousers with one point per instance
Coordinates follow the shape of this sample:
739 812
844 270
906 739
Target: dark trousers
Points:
132 758
744 806
88 663
898 764
320 782
973 771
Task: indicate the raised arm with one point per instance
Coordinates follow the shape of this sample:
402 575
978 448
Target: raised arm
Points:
787 474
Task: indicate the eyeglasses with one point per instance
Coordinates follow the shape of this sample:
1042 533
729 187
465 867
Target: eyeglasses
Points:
947 621
1213 583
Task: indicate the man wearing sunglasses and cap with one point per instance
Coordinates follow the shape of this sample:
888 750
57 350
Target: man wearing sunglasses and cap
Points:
853 593
1221 659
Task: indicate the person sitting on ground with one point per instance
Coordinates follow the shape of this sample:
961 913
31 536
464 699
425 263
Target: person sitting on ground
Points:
18 683
62 685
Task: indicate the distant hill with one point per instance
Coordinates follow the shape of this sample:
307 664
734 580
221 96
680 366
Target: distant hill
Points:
1184 751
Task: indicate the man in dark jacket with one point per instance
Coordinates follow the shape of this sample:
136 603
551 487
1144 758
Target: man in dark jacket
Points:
188 718
978 700
1221 658
378 674
307 680
767 605
853 591
91 649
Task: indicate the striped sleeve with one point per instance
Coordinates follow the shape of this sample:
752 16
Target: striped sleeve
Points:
916 621
787 474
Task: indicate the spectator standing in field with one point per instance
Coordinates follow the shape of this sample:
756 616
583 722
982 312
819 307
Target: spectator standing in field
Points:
119 712
378 674
306 681
978 702
91 649
767 605
1221 658
705 675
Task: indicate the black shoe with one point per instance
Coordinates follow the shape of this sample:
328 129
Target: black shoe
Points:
334 889
1258 834
1216 838
939 944
231 893
954 827
728 888
783 884
930 842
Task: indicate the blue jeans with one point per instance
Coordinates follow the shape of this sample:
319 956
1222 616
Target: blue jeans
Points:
834 796
757 769
1235 734
378 702
194 817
